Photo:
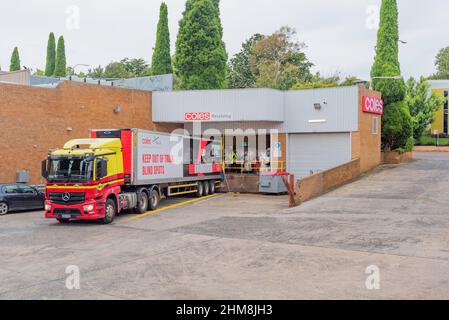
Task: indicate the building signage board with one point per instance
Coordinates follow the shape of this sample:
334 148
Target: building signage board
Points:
208 116
372 105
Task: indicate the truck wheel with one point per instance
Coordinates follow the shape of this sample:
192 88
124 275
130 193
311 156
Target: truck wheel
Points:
63 221
200 190
206 188
154 200
110 211
211 187
142 205
3 208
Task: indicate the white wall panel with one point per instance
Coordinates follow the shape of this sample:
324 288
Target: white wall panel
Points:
309 153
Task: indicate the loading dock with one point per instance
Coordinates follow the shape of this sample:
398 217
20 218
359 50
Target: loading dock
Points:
265 130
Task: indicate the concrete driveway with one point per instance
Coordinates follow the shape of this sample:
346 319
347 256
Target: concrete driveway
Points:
393 222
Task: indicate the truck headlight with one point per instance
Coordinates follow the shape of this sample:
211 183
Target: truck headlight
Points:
47 207
89 207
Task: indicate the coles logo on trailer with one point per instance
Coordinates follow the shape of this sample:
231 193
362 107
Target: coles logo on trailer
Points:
372 105
197 116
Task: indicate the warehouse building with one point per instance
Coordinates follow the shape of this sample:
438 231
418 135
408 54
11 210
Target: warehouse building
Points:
301 132
263 130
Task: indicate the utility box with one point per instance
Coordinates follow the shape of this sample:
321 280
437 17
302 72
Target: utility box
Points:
271 182
22 176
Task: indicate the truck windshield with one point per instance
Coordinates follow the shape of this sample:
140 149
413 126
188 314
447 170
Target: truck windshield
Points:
70 170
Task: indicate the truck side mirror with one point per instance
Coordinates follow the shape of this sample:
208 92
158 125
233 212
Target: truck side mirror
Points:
44 169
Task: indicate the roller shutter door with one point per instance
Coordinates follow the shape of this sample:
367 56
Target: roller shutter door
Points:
311 153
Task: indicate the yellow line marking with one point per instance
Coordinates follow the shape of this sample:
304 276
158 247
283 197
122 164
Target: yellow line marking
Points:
172 207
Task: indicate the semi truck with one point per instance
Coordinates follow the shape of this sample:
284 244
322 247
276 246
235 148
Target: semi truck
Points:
127 169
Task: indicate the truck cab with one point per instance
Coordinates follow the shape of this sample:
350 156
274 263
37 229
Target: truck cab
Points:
81 178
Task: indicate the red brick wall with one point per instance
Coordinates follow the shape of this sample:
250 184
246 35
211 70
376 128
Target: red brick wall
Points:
34 120
320 183
365 144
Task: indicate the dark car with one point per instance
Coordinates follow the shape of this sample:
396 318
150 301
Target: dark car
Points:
16 197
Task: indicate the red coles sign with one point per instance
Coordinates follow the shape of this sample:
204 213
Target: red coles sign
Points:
197 116
372 105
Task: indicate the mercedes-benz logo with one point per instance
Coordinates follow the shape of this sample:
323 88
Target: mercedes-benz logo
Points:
66 196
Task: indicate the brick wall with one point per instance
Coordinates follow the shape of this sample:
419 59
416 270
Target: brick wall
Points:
325 181
34 120
365 144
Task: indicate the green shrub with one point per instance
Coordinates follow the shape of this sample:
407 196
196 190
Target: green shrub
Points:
397 126
410 144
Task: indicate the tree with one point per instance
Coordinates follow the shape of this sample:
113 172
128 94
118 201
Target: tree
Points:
162 63
442 64
349 81
39 73
116 70
217 4
96 73
15 60
396 121
123 69
278 61
51 56
240 74
386 63
318 81
200 51
397 126
61 62
136 67
421 105
327 82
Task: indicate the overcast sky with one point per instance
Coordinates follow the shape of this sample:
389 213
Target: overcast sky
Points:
340 34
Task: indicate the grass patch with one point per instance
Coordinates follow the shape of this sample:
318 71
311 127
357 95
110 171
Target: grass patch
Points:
431 141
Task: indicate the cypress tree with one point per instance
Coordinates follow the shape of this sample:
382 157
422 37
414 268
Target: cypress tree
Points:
217 4
200 51
60 66
161 63
396 120
15 60
51 56
386 63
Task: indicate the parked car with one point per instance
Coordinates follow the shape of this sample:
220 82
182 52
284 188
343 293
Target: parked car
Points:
16 197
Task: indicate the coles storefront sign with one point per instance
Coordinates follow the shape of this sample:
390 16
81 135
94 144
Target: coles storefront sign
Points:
197 116
372 105
208 116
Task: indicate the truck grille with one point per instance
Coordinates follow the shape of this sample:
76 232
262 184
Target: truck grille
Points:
67 197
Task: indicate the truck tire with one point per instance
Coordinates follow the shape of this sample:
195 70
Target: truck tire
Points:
211 187
142 202
3 208
200 190
155 198
206 188
110 209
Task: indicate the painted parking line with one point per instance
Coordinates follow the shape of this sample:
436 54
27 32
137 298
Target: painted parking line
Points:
180 204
